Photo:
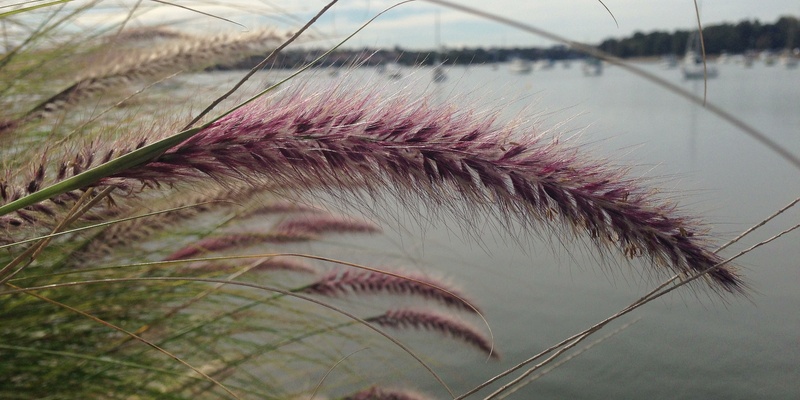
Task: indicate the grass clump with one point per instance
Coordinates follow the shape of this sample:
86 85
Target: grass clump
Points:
180 274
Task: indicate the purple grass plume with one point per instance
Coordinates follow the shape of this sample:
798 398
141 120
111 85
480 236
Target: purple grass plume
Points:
437 322
321 223
357 142
134 64
292 229
54 166
232 241
351 281
379 393
280 207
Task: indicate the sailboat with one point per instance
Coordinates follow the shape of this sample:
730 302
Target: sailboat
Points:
791 59
438 74
592 67
520 66
692 65
393 70
790 56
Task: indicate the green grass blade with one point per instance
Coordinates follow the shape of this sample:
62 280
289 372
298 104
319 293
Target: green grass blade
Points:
91 176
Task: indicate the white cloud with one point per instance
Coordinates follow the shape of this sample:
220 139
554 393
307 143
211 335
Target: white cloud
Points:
411 24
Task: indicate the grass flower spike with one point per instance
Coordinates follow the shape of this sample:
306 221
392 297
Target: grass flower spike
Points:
359 142
433 321
338 283
135 64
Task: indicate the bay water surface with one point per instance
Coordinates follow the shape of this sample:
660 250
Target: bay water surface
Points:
536 289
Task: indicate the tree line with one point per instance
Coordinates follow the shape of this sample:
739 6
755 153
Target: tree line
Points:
730 38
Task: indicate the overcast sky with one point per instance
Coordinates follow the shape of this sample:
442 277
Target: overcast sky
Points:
412 25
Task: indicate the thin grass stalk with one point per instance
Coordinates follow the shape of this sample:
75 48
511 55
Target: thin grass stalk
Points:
758 225
114 222
328 372
260 65
116 105
267 264
566 359
112 362
174 310
233 241
157 264
43 29
392 283
194 10
572 341
123 234
445 292
72 217
383 319
7 14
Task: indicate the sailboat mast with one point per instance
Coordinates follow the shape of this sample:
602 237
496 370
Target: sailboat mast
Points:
438 72
438 38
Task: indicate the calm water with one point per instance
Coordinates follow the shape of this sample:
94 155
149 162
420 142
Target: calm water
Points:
536 290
